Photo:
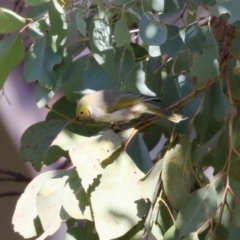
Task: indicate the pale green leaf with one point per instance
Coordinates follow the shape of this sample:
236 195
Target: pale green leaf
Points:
177 173
75 200
149 184
116 200
197 210
25 215
158 5
10 21
88 156
49 202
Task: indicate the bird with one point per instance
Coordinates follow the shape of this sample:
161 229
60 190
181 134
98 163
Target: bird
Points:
121 105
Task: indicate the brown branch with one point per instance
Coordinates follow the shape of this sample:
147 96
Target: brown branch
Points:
14 177
10 194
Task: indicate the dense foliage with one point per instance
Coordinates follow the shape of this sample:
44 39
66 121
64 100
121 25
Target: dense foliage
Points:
185 52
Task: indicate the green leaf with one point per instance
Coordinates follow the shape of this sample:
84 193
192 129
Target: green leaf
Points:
122 35
234 75
125 67
197 210
35 2
37 140
220 103
140 53
25 215
195 37
75 199
101 44
36 12
44 95
152 136
234 230
49 202
207 147
138 151
10 21
226 7
171 233
81 25
120 2
177 173
206 65
157 5
171 46
176 88
62 109
11 54
86 74
39 63
59 25
149 183
88 162
116 200
84 231
152 31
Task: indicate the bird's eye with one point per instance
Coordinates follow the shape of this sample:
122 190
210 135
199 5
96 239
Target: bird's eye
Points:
81 112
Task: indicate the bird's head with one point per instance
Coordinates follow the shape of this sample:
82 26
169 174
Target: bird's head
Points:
83 110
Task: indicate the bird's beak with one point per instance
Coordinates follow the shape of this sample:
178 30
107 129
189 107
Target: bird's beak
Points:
77 118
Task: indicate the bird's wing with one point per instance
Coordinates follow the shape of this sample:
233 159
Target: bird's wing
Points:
128 98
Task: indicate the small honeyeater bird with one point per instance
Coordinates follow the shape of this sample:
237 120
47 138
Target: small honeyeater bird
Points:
121 105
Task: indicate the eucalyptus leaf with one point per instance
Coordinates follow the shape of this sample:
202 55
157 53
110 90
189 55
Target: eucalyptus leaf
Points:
152 31
197 210
49 202
210 68
10 21
39 63
37 140
26 215
59 25
115 201
35 2
177 173
11 54
101 44
88 162
121 33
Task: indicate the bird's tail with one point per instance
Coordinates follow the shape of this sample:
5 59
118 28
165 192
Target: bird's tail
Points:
173 117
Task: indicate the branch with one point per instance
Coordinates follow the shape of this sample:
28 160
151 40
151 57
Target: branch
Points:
14 177
10 194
